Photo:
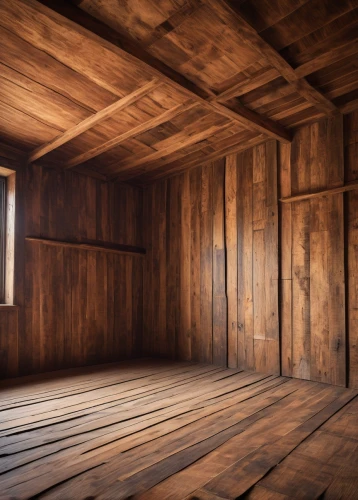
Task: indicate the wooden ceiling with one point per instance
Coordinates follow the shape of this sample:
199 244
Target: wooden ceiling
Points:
140 89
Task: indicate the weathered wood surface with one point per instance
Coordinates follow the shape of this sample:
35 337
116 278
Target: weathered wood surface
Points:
158 429
226 233
313 292
256 71
77 304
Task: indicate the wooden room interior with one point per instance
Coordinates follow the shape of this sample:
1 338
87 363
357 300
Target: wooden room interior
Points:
178 249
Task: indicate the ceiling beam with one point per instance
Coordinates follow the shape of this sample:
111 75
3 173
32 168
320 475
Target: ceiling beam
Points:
216 155
120 43
247 86
93 120
139 129
172 148
230 16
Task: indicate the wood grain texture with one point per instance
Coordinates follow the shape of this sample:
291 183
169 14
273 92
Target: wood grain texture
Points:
153 429
224 209
79 306
261 71
313 257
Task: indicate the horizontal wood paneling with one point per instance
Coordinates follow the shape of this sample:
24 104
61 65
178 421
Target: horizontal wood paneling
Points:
76 306
220 221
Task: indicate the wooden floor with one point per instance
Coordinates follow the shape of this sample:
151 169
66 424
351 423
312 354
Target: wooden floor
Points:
156 430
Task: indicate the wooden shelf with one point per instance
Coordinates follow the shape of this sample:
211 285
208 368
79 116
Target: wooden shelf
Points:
90 245
300 197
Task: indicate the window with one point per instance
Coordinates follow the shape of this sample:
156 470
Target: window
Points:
2 237
7 235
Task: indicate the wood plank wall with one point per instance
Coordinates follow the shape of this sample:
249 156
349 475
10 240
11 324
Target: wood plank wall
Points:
312 264
76 307
351 241
212 263
222 258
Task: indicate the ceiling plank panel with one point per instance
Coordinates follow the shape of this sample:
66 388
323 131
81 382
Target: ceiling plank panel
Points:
253 39
93 120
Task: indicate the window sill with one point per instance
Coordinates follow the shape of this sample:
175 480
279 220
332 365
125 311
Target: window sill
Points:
6 307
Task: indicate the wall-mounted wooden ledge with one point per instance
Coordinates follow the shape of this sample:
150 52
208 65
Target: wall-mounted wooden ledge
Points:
300 197
103 246
7 307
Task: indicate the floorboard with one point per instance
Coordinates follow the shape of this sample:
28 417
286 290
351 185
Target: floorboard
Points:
155 429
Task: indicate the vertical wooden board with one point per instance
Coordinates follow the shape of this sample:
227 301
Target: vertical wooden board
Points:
271 291
173 263
46 196
127 310
259 289
206 263
120 306
259 160
260 355
319 289
271 173
248 259
148 274
100 294
241 300
231 255
67 297
8 343
155 290
102 212
285 227
335 151
111 352
259 177
286 328
301 161
46 353
318 156
184 340
56 321
352 256
74 212
162 306
33 199
25 341
336 298
137 307
219 267
76 343
259 198
301 290
195 199
89 331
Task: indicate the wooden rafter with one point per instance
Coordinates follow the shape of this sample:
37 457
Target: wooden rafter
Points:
122 45
231 18
139 129
216 155
93 120
172 148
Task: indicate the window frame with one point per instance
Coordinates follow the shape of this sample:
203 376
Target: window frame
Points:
3 217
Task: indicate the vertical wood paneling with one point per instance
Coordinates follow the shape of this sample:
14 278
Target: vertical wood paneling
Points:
231 257
185 275
195 198
206 264
351 206
76 306
222 249
316 333
220 311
